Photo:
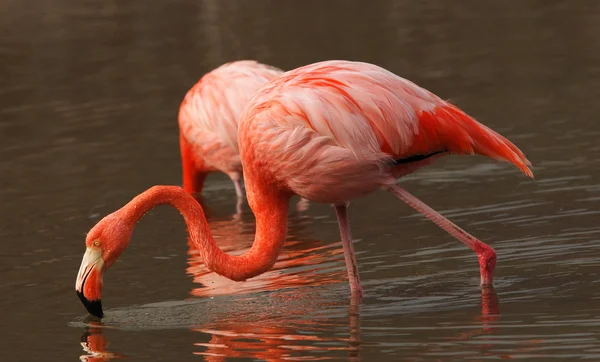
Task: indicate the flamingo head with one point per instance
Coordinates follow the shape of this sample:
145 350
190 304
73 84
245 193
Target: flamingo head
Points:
104 243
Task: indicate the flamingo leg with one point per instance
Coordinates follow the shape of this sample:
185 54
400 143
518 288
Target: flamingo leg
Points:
485 253
238 187
193 177
240 194
238 209
193 180
302 205
342 216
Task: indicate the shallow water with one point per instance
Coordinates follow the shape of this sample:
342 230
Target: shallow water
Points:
88 101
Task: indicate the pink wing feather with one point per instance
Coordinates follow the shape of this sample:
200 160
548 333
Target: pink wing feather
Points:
327 130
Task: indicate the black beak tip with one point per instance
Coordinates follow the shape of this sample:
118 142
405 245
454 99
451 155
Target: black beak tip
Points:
94 307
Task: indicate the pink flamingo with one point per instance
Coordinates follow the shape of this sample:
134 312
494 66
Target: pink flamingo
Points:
208 121
329 132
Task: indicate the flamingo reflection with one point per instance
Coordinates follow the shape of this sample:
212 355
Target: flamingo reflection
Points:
302 263
283 334
489 319
94 344
490 315
289 340
307 256
298 333
276 340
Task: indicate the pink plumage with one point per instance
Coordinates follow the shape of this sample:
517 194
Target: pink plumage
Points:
336 130
331 131
208 120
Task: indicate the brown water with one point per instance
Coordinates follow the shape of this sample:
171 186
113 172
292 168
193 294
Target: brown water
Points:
89 93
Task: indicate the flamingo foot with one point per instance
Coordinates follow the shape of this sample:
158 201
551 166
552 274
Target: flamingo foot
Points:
487 263
485 253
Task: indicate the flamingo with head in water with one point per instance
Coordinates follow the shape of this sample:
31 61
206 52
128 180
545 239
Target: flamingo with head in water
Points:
208 121
330 132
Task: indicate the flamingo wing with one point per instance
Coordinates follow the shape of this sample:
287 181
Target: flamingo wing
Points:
209 113
347 120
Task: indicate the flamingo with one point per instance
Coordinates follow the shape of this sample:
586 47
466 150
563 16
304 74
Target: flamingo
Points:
208 121
329 132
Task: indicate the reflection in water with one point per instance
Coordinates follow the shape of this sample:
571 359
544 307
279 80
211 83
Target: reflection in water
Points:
285 340
300 309
94 344
489 318
297 268
269 340
314 331
302 263
490 313
289 313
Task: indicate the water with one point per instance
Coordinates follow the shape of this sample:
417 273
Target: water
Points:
89 93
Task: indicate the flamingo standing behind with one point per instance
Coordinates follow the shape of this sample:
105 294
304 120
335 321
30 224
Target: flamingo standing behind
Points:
329 132
208 121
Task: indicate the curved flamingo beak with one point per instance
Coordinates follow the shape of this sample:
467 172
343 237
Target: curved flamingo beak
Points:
89 281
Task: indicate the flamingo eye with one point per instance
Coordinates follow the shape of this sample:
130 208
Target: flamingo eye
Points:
96 243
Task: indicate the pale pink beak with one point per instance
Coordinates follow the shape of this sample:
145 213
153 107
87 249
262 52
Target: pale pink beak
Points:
89 281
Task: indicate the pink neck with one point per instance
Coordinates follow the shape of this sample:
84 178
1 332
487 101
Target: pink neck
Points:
271 230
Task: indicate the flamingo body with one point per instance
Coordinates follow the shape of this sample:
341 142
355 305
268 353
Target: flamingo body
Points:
208 121
336 130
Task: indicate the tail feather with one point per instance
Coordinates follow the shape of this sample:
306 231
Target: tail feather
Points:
447 127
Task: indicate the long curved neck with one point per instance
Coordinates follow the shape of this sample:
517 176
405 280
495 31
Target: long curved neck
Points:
271 230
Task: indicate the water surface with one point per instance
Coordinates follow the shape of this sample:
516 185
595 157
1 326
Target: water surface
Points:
88 101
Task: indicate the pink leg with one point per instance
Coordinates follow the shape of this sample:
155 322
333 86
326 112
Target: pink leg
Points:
192 174
240 194
238 188
342 216
485 253
302 205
